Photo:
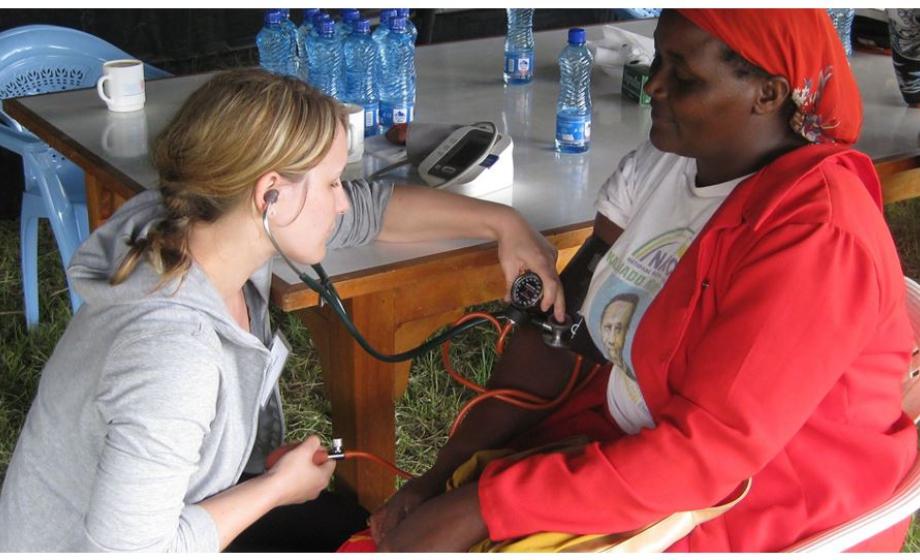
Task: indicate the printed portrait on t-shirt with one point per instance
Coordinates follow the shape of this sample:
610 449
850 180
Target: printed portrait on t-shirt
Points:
615 320
629 284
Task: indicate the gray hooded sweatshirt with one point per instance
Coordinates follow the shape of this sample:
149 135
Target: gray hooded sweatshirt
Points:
150 402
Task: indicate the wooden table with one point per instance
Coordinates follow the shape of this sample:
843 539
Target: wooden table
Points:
398 294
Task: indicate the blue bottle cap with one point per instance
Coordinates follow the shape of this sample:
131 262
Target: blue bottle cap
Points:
398 24
272 16
319 16
350 14
362 27
308 14
285 13
386 16
576 36
326 27
403 12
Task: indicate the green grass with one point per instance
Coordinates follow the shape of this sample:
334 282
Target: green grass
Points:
432 400
904 220
23 354
423 414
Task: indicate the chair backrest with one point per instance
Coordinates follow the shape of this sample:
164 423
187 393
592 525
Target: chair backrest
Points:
906 498
911 387
900 178
46 58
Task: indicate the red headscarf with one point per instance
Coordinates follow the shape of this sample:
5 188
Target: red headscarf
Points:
803 47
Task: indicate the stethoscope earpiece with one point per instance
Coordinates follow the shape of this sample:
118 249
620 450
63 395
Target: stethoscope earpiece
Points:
270 197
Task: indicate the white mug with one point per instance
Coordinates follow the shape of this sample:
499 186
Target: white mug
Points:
355 132
125 135
121 85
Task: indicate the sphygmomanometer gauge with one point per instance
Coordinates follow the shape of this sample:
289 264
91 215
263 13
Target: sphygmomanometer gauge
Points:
526 291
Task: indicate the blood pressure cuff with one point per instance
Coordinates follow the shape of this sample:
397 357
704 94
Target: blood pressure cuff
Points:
576 277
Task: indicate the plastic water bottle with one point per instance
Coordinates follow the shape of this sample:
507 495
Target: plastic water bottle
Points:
360 74
325 59
274 44
519 46
413 31
573 111
397 94
303 33
319 16
343 28
306 25
310 40
404 12
384 27
287 24
842 18
345 25
378 35
294 60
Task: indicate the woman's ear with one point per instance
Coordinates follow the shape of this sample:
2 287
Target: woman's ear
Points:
773 93
269 181
284 199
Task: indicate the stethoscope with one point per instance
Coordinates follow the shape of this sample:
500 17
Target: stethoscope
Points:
526 293
323 286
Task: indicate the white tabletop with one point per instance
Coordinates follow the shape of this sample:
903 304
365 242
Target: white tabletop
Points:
460 83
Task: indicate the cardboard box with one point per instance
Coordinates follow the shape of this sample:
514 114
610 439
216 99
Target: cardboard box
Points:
634 78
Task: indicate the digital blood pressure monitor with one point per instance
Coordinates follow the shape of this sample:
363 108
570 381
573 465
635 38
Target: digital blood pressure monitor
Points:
469 162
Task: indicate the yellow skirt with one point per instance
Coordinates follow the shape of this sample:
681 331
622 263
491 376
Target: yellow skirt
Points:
656 537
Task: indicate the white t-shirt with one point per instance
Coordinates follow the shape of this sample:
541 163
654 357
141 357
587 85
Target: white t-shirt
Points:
653 197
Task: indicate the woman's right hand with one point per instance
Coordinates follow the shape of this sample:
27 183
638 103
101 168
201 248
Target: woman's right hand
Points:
412 494
296 477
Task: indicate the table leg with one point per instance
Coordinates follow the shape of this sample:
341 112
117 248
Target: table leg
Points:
101 201
361 390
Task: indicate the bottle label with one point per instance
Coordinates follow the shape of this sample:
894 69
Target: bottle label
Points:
402 115
519 65
397 114
573 131
371 115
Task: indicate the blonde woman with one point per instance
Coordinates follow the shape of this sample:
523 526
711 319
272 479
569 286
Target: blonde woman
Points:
161 395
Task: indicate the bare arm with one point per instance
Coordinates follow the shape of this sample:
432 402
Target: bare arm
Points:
529 365
421 213
608 231
417 213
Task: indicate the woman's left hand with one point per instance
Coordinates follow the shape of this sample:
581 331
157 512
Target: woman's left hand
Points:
450 522
521 248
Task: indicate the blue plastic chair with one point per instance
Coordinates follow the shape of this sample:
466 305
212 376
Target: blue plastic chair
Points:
42 59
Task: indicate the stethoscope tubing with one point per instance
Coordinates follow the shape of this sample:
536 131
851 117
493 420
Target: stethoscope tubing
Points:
328 294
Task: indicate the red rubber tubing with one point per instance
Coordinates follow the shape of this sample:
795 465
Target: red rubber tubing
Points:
514 397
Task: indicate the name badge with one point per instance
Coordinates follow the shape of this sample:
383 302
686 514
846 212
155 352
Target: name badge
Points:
279 354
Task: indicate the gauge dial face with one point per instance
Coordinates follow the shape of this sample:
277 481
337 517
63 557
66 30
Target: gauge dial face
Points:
527 290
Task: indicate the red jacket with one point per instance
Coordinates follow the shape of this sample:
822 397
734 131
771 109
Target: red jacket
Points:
775 350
